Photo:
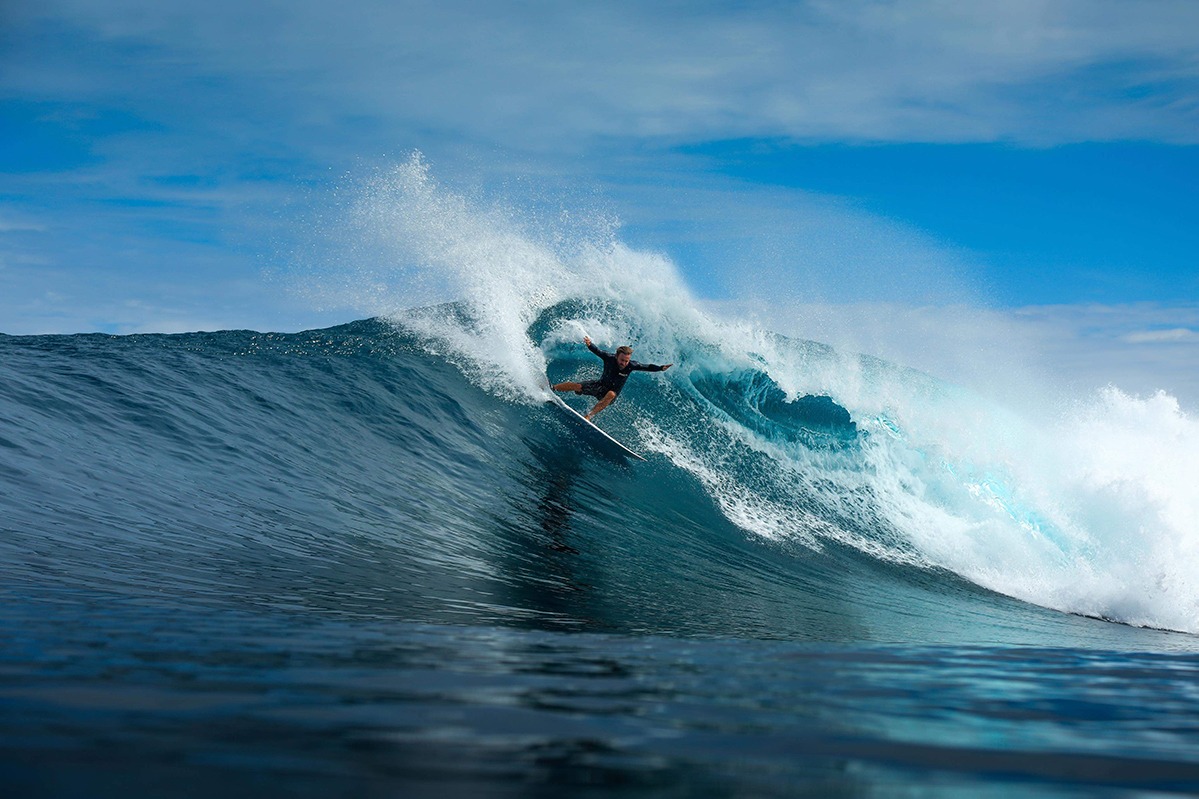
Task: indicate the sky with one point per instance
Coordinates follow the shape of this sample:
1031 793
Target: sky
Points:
915 172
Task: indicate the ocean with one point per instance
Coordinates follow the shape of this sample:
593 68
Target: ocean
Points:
370 560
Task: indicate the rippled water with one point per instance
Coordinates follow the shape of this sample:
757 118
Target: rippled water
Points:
331 564
107 696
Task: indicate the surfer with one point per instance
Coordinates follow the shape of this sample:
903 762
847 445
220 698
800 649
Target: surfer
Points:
617 369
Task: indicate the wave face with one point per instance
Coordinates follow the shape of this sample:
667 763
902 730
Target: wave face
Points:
791 492
423 430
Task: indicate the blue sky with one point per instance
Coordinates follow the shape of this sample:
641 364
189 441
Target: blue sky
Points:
166 166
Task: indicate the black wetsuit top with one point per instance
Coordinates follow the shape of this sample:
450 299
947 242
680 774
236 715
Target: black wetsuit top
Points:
614 377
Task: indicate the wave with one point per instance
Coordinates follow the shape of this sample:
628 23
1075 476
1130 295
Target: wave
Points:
406 465
1083 508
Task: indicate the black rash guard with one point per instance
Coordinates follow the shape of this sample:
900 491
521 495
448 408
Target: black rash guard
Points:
614 377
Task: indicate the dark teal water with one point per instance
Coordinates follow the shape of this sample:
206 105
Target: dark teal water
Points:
331 564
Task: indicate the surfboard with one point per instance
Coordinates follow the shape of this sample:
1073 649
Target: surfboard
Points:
589 428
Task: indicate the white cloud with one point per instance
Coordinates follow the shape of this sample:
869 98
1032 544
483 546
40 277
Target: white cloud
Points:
1032 355
52 299
549 75
1174 334
18 224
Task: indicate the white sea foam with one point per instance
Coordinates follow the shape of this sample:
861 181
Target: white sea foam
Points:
502 270
1090 510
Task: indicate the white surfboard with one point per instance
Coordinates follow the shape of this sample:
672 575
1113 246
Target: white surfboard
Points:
590 428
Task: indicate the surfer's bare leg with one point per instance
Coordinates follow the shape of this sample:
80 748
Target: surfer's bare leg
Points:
568 387
604 402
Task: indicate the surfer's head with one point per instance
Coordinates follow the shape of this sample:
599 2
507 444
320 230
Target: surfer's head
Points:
623 354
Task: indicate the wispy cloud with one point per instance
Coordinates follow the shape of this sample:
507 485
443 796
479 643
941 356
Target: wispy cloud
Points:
19 224
181 139
545 74
1034 354
1169 336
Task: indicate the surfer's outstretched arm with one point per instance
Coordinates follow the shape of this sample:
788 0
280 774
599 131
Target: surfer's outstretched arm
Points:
597 350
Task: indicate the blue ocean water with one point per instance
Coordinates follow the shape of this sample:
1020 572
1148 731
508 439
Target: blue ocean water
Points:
369 560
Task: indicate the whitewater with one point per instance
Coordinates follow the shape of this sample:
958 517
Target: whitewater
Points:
370 557
1087 509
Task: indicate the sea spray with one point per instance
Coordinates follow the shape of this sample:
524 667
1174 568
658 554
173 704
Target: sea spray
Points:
500 270
1062 508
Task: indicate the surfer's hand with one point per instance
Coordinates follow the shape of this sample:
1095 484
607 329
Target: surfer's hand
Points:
667 366
587 341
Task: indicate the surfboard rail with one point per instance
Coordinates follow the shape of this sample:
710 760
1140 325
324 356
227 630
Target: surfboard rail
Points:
554 399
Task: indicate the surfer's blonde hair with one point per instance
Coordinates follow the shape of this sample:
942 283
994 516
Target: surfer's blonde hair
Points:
624 348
